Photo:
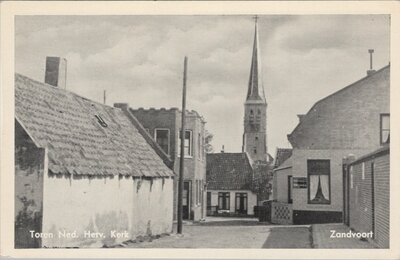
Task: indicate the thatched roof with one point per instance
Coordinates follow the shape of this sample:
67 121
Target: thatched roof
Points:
83 137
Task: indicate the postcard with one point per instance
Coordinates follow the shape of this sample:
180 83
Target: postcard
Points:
200 129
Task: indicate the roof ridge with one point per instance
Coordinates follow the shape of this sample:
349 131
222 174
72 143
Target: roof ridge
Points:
42 84
336 92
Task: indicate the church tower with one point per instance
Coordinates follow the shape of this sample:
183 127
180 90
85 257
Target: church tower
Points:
255 109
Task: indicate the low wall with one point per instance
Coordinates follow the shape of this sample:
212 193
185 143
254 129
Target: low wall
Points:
92 212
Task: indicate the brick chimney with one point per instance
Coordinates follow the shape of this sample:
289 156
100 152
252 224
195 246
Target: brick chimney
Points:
300 116
56 72
370 71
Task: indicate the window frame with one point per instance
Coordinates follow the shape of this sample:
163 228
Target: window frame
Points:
381 116
238 195
221 194
309 182
169 138
190 143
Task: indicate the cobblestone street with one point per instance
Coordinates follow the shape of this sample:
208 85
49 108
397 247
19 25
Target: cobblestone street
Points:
249 233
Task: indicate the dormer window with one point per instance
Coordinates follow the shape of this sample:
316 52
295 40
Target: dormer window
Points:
101 121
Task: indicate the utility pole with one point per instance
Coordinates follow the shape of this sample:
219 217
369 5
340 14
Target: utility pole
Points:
104 97
182 158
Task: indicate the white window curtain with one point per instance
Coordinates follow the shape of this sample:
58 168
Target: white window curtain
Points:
313 186
325 186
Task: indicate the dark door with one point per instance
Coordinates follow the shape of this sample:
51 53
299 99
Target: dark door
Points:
290 186
346 202
186 200
241 203
208 203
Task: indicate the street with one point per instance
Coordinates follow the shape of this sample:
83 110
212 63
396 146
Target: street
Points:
219 232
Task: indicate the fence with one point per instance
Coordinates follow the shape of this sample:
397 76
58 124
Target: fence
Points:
281 213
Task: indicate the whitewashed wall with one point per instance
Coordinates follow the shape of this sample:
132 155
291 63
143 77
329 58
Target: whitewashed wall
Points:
103 205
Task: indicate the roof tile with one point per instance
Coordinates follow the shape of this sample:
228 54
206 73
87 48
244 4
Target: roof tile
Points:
66 124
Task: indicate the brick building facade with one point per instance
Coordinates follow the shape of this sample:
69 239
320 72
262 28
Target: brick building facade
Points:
164 126
349 121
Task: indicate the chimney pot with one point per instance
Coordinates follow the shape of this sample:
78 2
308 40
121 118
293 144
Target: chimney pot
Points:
123 106
56 72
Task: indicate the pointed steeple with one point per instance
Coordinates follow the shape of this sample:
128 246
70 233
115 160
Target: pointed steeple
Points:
256 88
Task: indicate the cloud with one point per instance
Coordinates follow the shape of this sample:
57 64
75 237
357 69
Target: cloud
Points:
139 60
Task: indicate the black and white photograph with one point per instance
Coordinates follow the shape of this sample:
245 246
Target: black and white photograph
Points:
201 131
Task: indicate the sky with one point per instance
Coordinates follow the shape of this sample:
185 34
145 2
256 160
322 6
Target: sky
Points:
139 60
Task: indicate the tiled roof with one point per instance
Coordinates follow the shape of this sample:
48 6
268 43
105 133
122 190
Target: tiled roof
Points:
286 164
282 154
83 137
229 171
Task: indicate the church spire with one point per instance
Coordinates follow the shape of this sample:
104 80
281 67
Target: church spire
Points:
255 88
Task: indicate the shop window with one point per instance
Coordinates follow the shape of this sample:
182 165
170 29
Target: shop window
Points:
319 190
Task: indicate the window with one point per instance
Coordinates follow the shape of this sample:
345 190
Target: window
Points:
351 178
208 200
223 200
363 170
385 129
319 190
188 149
101 121
162 138
199 145
251 117
241 203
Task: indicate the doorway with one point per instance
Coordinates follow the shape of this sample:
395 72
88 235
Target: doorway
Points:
186 199
290 186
